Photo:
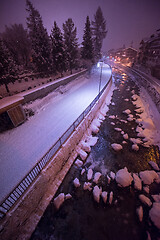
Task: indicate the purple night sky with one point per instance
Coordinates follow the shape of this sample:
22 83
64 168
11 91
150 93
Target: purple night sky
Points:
127 20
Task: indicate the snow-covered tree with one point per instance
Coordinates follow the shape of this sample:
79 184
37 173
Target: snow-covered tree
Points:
87 44
17 41
7 66
40 42
99 31
71 43
58 50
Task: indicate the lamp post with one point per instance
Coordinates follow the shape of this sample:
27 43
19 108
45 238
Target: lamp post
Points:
101 65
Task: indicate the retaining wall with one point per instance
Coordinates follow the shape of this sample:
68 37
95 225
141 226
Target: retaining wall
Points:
20 222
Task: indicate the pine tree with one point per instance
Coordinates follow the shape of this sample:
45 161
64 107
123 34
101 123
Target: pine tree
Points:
99 31
7 66
71 43
87 48
40 41
17 41
58 51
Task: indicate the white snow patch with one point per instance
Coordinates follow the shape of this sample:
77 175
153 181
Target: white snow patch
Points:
148 177
59 200
140 213
123 177
137 182
154 214
89 174
154 165
76 183
97 176
145 200
97 193
112 123
104 195
91 140
116 146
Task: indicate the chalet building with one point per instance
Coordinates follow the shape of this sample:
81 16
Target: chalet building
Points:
149 53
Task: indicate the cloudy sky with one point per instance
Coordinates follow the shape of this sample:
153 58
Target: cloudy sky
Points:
127 20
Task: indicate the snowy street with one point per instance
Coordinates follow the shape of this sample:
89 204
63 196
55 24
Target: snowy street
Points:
115 192
22 147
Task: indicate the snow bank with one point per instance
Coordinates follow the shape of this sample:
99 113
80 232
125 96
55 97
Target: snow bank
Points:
145 200
59 200
116 146
123 177
97 177
76 183
154 214
148 177
137 182
97 193
89 174
140 213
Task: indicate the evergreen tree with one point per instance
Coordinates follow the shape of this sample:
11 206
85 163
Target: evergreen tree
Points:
87 48
40 41
7 66
71 43
58 51
99 31
17 41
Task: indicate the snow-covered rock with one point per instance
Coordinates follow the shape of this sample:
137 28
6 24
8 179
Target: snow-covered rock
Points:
123 177
97 193
112 117
89 174
140 213
125 136
92 140
124 121
127 111
82 154
136 140
112 123
110 197
156 197
109 179
59 200
154 165
154 214
85 146
97 176
135 147
76 183
94 128
83 171
118 129
134 97
146 189
145 200
124 142
87 186
78 163
148 177
122 132
137 182
116 146
112 175
130 119
104 196
138 120
126 99
68 196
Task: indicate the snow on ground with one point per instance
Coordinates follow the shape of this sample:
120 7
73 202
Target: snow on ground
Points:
149 119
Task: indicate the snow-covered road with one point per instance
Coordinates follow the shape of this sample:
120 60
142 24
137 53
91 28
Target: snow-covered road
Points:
22 147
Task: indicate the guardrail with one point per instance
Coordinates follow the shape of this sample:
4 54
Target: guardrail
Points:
21 188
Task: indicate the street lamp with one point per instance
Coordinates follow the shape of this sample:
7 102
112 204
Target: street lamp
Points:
101 65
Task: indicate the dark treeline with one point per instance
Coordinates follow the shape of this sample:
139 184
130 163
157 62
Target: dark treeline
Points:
32 49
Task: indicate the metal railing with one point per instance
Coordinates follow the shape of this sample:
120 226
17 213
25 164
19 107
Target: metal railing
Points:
19 190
